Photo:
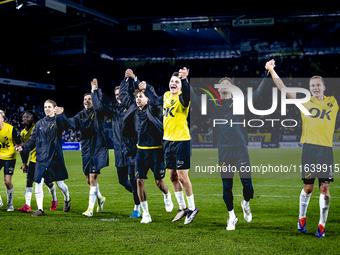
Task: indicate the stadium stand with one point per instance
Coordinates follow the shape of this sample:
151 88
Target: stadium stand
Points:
157 73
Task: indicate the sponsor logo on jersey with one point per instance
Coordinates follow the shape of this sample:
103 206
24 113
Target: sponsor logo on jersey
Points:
317 113
168 111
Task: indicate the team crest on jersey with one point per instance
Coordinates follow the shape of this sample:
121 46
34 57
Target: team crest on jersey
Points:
51 126
172 102
330 105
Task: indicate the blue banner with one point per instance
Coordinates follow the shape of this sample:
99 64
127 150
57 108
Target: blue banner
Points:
270 145
71 146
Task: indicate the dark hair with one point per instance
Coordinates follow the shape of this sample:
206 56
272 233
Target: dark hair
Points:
226 79
137 91
33 114
87 94
175 74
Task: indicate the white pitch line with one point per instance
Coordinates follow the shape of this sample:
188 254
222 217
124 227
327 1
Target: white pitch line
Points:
203 184
208 194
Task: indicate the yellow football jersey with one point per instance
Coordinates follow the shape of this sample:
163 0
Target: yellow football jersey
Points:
25 135
175 118
318 128
7 151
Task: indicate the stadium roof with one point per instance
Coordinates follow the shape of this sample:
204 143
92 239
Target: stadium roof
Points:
140 29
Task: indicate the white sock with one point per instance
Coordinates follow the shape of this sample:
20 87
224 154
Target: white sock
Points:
99 195
324 202
191 202
167 196
145 207
93 196
304 200
10 196
39 194
64 189
246 203
53 193
232 214
137 208
180 199
28 195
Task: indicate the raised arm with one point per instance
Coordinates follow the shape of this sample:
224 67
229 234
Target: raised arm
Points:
124 95
97 100
96 96
73 123
278 82
150 92
185 96
196 99
62 122
263 85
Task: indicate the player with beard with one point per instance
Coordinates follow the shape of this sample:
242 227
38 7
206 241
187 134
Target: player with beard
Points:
94 148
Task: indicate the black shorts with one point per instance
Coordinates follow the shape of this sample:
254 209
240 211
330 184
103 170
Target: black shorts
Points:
30 171
317 162
234 159
177 154
122 159
149 159
8 165
91 169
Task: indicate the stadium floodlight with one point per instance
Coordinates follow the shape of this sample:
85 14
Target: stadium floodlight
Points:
19 3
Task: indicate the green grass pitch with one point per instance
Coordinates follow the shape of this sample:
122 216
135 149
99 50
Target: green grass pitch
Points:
272 231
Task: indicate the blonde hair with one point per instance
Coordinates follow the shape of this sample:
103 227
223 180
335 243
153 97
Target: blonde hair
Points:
2 113
51 102
116 88
317 77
